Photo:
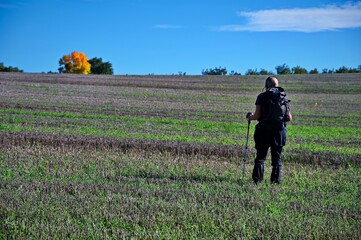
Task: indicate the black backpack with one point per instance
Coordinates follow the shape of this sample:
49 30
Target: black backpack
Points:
279 108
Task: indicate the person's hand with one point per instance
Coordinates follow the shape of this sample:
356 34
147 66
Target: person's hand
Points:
289 117
248 115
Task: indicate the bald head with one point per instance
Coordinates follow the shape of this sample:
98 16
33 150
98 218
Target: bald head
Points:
271 82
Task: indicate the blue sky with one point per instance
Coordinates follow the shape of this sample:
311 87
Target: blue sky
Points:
171 36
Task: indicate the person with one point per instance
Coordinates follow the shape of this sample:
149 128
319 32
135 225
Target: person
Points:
265 136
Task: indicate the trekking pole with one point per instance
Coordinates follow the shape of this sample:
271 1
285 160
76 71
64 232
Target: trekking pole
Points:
246 148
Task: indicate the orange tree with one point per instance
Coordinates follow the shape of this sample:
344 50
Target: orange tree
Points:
74 63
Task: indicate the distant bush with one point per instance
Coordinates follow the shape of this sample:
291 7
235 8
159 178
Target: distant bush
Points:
9 69
252 72
347 70
299 70
233 73
261 72
215 71
314 71
283 69
325 70
265 72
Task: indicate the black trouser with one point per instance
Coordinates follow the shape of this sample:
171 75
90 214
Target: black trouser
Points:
258 169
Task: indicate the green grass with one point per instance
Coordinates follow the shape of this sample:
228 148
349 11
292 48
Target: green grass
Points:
75 193
66 189
316 138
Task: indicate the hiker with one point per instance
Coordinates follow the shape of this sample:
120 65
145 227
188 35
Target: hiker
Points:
272 113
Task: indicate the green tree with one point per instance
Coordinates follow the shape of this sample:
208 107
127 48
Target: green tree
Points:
97 66
299 70
283 69
314 71
252 72
265 72
347 70
234 73
215 71
343 70
3 68
325 71
354 70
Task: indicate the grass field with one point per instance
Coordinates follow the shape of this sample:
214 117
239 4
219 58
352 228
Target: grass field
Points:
160 157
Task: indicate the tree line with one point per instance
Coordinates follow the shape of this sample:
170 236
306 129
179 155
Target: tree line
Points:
281 70
78 63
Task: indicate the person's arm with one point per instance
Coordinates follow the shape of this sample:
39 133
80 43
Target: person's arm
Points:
256 115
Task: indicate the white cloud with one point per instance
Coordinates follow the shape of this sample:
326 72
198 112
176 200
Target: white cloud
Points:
301 20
